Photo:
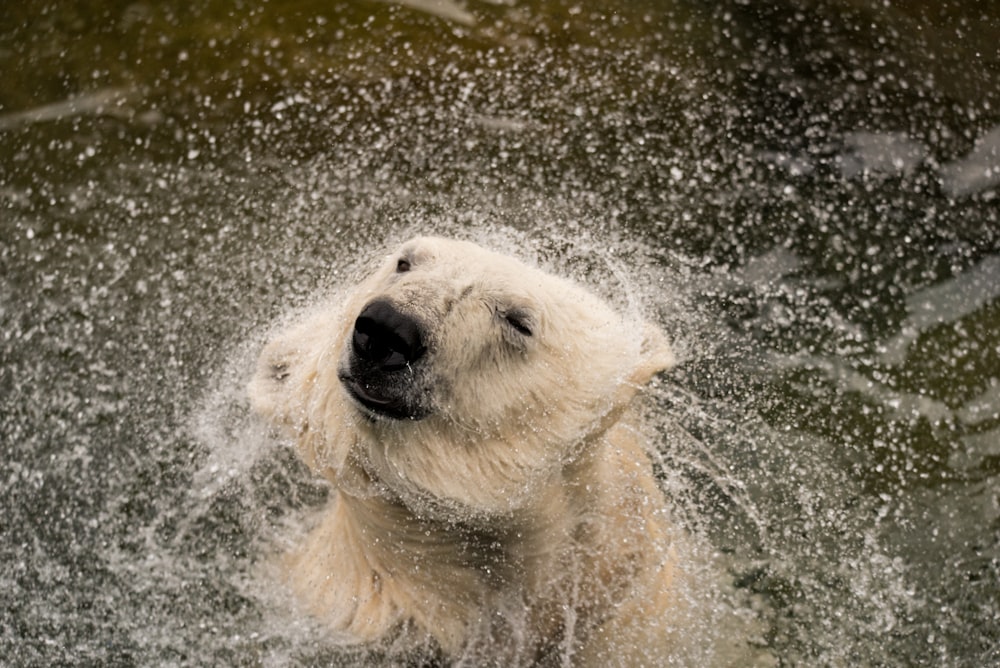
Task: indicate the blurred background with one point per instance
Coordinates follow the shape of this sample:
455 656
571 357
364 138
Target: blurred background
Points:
804 193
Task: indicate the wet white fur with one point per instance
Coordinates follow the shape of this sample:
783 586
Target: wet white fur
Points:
520 522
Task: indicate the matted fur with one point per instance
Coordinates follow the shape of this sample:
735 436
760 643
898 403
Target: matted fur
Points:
518 522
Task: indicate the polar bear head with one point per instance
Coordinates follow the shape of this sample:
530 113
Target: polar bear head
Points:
455 378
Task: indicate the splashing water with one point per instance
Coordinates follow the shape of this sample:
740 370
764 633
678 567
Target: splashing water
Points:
805 198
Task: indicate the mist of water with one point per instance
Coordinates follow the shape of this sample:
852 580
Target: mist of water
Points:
804 198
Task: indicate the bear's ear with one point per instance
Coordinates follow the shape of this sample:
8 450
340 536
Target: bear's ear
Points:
282 385
655 355
281 388
271 390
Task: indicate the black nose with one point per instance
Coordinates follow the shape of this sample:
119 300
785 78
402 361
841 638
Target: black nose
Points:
386 337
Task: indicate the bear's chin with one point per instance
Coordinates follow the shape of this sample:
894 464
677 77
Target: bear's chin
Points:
376 406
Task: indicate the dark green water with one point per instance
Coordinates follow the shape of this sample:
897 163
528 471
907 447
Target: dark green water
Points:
805 193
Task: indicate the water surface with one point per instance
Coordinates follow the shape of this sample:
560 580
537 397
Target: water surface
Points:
805 194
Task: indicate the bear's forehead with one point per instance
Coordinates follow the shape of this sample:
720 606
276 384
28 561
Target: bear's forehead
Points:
471 261
456 252
500 276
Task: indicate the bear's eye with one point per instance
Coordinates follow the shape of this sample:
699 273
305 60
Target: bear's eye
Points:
402 265
519 321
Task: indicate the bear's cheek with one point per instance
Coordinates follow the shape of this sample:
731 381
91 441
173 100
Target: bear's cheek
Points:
492 396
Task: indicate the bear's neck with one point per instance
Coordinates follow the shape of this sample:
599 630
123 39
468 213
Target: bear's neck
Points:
374 566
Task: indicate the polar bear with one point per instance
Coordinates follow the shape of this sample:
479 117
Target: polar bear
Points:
493 501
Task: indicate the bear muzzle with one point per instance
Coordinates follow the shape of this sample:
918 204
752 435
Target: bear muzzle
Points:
382 369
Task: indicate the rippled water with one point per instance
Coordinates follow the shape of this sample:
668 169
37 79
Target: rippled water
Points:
806 196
